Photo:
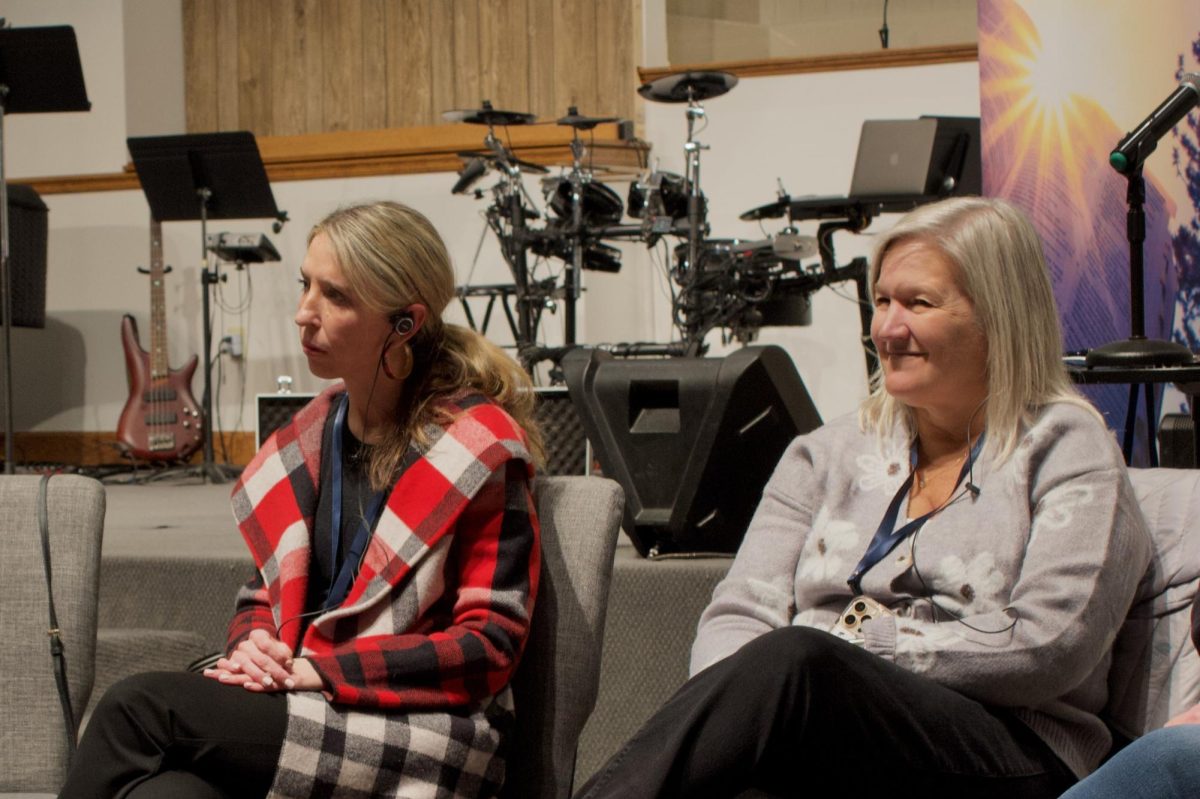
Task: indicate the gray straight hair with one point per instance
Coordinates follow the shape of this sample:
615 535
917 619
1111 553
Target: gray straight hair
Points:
1001 268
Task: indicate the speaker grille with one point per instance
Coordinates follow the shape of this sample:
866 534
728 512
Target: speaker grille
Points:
562 433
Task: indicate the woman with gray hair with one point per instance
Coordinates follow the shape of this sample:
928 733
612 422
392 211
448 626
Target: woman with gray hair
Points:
926 599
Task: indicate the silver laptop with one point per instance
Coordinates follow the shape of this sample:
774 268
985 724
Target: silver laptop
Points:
894 157
892 170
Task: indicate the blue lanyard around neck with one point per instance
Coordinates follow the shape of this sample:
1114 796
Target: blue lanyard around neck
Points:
887 536
345 576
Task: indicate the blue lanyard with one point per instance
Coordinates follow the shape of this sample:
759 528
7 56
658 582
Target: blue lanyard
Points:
345 575
887 536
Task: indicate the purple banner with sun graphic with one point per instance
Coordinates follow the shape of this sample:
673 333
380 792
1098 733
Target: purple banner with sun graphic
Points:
1060 83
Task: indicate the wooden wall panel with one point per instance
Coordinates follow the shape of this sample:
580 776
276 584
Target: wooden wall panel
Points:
200 63
409 63
443 71
467 64
575 47
311 70
254 57
288 85
541 46
341 50
617 45
290 67
374 66
505 49
228 96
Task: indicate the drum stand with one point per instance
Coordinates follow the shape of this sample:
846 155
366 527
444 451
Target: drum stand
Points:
697 222
574 271
691 88
509 197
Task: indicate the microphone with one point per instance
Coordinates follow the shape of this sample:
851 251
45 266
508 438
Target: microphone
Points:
1132 150
472 172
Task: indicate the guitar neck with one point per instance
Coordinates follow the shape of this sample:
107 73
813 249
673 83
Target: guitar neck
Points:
159 368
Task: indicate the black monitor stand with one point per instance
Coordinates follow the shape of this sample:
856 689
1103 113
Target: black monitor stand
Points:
204 176
40 72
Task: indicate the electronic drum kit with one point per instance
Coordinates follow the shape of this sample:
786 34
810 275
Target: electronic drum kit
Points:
730 284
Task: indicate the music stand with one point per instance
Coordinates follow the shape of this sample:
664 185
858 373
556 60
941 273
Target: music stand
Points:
204 176
40 72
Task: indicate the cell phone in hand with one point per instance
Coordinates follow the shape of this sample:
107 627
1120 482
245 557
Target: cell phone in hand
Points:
859 610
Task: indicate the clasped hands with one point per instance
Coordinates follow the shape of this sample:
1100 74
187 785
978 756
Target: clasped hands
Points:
264 663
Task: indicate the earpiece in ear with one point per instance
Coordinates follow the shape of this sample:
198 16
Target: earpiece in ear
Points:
403 324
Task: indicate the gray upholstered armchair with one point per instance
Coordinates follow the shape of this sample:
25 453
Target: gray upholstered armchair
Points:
33 748
555 687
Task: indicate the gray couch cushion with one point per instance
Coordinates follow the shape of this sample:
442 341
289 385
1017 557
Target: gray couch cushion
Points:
1156 672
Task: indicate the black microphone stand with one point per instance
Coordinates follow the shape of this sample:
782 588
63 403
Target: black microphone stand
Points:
1138 350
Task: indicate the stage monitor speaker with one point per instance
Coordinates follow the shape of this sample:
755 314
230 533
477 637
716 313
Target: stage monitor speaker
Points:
274 411
27 236
691 440
566 445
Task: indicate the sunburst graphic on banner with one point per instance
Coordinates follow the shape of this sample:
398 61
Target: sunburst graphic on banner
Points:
1046 142
1053 78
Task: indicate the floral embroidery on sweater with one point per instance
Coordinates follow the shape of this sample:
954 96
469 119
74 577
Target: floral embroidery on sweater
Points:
832 549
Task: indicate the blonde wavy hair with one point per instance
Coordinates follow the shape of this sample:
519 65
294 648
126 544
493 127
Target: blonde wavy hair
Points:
391 257
1002 270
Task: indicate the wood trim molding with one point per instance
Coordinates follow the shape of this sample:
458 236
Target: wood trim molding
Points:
99 448
397 151
875 59
434 148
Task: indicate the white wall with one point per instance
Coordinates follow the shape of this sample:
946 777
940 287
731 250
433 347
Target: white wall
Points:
70 376
154 68
77 142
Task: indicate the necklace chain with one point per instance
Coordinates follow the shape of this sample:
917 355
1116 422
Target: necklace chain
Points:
922 474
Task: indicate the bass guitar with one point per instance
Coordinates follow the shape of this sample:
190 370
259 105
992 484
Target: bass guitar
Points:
161 420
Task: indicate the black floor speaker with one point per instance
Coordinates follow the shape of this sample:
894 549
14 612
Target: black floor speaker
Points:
692 441
28 232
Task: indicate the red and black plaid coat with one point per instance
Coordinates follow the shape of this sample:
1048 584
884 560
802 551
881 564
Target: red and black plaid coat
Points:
419 656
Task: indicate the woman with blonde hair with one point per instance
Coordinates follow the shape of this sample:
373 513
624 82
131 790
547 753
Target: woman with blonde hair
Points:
926 599
395 541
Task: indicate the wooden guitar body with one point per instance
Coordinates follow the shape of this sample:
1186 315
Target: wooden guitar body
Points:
161 420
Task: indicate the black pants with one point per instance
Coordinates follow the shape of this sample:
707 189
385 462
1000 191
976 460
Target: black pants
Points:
180 735
798 712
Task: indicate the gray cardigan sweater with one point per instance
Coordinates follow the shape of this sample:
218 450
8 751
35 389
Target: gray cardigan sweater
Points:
1043 563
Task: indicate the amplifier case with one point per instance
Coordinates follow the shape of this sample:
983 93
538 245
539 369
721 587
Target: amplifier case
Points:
567 449
273 411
